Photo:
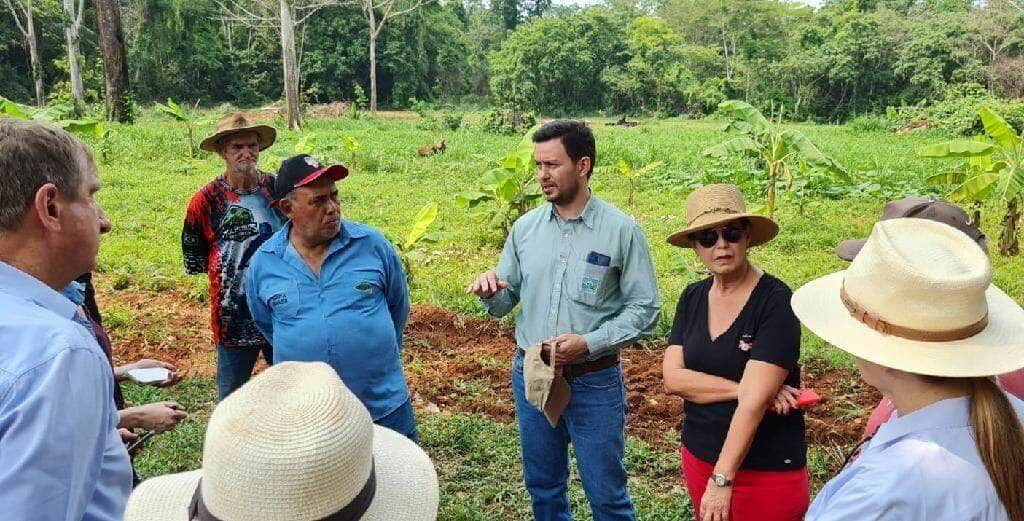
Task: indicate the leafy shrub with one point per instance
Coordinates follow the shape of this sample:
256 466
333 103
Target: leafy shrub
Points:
452 120
869 123
507 121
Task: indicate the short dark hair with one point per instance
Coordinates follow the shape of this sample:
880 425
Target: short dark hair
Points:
576 137
31 155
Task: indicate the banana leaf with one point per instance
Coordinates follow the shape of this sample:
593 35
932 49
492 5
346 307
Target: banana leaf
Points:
957 148
999 129
424 218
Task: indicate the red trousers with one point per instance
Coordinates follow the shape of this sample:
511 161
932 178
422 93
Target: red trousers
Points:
761 495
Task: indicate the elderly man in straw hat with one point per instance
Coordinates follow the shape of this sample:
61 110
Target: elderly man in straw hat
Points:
919 313
583 273
60 453
227 220
294 444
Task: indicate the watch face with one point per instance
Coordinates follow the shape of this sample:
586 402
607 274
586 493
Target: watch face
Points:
720 480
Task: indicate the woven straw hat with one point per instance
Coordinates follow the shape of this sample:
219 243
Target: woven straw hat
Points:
713 205
233 123
295 444
919 298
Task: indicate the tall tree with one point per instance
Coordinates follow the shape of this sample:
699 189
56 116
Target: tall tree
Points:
27 27
286 15
389 9
72 25
115 65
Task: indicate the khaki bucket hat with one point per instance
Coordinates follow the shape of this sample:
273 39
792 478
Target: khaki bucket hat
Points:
233 123
918 297
295 444
714 205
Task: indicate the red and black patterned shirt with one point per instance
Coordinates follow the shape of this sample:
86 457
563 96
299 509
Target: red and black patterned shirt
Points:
223 228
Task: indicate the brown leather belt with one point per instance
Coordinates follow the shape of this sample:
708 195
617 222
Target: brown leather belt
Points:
583 368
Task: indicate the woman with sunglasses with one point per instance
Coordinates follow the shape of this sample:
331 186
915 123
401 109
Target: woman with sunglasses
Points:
733 357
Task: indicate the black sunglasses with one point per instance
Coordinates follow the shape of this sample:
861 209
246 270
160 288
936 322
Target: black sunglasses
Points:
709 238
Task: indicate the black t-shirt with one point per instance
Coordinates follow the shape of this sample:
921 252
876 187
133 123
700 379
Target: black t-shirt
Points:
766 330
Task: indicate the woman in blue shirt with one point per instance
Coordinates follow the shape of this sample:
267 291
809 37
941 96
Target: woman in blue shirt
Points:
919 313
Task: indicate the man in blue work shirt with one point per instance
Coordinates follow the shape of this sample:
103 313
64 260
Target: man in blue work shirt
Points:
61 456
583 273
330 290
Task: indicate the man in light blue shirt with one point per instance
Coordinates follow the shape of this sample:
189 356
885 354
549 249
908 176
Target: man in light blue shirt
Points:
325 289
60 453
582 272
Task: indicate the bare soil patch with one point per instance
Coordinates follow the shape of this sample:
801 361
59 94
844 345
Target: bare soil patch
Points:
459 363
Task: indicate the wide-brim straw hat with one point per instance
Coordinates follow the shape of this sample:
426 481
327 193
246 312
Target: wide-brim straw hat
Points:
295 444
233 123
919 298
711 206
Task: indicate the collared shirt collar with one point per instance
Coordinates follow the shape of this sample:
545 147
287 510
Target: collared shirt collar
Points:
588 216
279 241
944 414
21 284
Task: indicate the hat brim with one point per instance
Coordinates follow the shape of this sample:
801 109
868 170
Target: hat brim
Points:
267 136
998 349
847 250
761 230
406 486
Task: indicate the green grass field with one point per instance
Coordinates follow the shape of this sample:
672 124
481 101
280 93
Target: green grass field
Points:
148 181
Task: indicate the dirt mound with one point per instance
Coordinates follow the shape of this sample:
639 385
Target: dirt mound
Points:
455 362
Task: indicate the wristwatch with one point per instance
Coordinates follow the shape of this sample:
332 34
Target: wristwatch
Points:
721 480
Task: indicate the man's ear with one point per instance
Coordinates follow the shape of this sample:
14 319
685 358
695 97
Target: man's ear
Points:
47 207
285 205
584 165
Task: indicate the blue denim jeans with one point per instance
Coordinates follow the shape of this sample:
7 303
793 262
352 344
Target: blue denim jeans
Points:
594 422
234 366
402 421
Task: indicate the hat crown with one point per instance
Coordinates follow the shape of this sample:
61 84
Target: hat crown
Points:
711 200
296 434
920 274
232 121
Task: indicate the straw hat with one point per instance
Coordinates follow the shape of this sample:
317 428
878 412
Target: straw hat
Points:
233 123
713 205
295 444
918 297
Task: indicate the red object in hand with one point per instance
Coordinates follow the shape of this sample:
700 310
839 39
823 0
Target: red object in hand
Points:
806 398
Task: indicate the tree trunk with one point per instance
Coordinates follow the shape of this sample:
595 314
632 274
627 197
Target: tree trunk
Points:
71 32
1008 242
291 67
115 67
33 55
373 72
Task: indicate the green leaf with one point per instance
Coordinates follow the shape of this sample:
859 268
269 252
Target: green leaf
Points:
1009 182
737 146
999 129
951 177
424 218
83 127
303 146
507 189
745 112
975 188
12 109
172 109
351 144
471 199
624 169
810 154
957 148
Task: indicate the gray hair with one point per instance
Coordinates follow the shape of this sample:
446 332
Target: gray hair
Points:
31 155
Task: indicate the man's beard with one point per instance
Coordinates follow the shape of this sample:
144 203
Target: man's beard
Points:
245 168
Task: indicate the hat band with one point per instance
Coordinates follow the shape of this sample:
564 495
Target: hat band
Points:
875 322
353 511
730 211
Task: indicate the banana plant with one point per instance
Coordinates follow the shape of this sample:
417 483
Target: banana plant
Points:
351 146
407 248
633 176
992 167
511 186
188 118
81 127
782 153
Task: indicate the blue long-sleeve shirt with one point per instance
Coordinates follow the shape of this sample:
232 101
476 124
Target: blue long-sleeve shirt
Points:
592 276
61 457
352 316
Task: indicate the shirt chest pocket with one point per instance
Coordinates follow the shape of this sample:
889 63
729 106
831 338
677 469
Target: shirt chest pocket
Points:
591 283
285 302
360 293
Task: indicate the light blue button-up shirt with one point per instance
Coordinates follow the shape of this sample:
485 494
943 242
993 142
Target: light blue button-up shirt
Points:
61 457
920 467
352 316
591 276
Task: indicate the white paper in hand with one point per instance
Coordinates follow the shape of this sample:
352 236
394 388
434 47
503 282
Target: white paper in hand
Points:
150 375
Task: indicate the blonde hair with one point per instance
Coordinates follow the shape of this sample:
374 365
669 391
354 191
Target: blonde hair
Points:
999 436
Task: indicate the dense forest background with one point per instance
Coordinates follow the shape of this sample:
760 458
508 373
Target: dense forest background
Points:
658 57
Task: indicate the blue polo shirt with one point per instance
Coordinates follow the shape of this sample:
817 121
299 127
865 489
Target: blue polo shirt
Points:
351 316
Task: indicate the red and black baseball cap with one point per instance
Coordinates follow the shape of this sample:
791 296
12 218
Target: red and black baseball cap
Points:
920 208
301 170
